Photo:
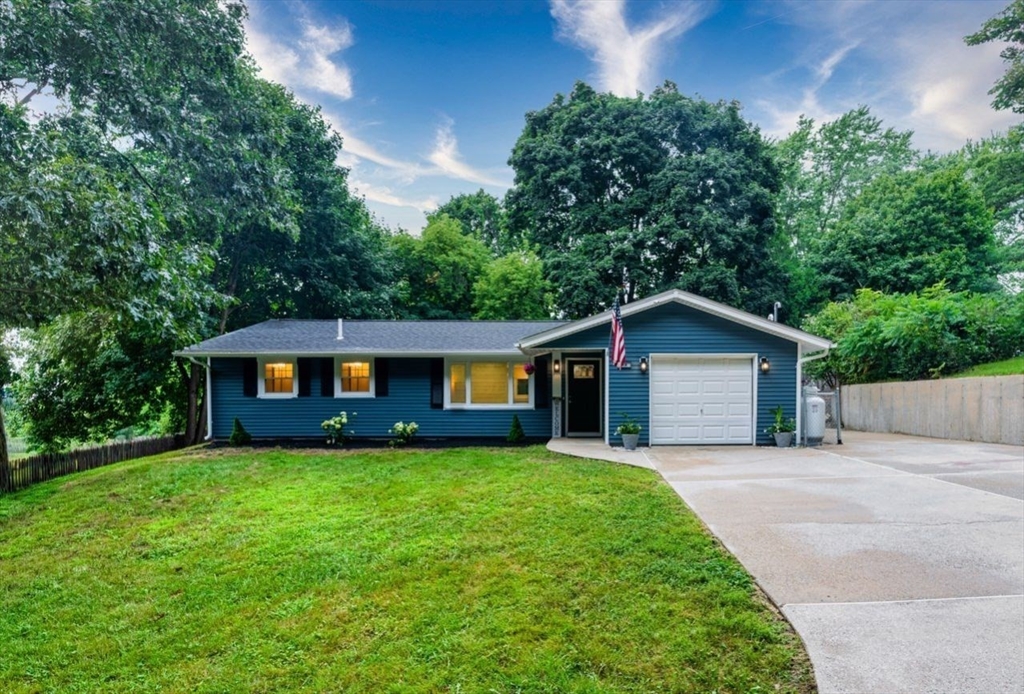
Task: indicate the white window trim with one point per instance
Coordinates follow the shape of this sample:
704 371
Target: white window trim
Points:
468 361
338 361
261 377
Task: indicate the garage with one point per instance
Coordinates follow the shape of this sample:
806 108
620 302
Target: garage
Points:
702 400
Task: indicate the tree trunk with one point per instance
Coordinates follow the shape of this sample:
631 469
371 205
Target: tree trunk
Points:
6 478
195 420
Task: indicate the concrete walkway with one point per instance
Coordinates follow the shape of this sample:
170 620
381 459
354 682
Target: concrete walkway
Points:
899 560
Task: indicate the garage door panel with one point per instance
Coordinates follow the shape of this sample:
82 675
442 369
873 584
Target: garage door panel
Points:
702 400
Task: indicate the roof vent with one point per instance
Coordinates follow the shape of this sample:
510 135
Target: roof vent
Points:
341 331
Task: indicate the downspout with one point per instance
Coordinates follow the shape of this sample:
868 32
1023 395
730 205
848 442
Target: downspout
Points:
801 360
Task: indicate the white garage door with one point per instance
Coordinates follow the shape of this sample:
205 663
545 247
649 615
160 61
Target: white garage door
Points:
702 400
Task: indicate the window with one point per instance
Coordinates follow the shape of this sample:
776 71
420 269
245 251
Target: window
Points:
483 383
354 377
277 378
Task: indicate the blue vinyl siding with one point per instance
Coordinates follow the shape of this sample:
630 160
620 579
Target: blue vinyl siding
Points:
677 329
408 400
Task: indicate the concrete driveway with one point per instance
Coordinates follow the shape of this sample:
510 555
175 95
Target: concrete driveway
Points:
899 560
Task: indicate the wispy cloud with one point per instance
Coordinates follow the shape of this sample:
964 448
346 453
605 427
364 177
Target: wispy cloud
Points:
906 59
783 117
386 196
448 161
626 58
307 62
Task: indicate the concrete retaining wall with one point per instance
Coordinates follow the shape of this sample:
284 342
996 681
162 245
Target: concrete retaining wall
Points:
989 409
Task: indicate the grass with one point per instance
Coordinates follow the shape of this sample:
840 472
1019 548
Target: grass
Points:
1006 367
468 570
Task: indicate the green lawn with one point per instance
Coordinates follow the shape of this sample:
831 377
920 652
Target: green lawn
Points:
466 570
1007 367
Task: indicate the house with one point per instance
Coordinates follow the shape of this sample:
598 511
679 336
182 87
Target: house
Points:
698 372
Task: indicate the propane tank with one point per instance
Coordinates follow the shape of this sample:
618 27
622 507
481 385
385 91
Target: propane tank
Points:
814 417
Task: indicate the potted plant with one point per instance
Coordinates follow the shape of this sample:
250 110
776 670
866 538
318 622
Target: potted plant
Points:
782 429
629 430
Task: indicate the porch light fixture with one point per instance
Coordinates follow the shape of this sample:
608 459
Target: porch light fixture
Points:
765 365
643 365
558 366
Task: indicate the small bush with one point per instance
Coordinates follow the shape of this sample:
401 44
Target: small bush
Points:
403 433
335 428
239 436
516 433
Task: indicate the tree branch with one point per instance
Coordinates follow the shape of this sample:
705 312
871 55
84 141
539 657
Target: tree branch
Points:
38 89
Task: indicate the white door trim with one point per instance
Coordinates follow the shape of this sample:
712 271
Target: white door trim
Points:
676 356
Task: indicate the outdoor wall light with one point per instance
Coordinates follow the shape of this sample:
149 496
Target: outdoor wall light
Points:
643 365
558 366
765 365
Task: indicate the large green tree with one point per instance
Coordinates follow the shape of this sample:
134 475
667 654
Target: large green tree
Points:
483 217
512 287
1006 27
177 191
650 193
908 231
436 272
824 168
996 166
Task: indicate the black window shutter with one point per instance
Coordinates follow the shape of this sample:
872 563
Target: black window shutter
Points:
305 367
381 373
437 384
327 377
542 384
249 376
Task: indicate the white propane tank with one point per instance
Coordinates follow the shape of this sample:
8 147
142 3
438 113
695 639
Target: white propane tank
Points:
814 417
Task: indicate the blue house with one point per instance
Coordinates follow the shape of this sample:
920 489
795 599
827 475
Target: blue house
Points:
698 372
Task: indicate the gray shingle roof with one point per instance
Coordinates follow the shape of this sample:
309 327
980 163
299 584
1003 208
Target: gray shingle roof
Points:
316 337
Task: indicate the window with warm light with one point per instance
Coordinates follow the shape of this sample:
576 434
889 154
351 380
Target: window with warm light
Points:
480 383
279 378
355 377
457 385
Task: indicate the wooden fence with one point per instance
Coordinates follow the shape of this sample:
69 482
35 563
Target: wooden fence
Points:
45 466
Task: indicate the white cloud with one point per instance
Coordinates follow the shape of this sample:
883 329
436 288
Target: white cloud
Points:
386 196
447 159
306 62
908 61
626 58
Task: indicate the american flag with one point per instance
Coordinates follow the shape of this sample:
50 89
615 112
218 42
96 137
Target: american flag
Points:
618 336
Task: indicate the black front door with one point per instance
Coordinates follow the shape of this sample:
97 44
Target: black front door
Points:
583 416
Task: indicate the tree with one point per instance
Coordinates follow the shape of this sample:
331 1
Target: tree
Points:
483 217
908 231
1007 26
512 288
437 272
823 169
996 166
90 375
650 193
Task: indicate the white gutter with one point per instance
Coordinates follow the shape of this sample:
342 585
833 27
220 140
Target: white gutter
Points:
801 360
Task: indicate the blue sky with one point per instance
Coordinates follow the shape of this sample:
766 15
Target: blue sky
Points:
430 96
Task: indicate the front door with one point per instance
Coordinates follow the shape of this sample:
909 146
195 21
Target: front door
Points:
583 407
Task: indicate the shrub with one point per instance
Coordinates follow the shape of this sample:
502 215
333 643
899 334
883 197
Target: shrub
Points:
239 436
403 433
883 337
335 428
516 433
